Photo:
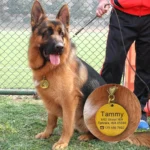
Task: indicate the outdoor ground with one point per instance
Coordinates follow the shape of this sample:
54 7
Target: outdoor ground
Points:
21 118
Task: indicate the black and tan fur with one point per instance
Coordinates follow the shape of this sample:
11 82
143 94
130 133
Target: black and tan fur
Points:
71 81
52 56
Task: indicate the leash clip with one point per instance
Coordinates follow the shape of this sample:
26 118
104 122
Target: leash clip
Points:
111 91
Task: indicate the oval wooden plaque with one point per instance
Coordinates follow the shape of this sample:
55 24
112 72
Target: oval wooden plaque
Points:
123 97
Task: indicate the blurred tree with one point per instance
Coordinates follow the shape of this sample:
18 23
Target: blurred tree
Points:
19 6
3 15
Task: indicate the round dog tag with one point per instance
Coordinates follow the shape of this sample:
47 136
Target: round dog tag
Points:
111 119
44 84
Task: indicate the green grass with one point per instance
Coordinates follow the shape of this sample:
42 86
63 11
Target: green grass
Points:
14 70
22 119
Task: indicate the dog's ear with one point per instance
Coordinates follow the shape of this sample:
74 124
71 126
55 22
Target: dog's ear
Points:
37 14
64 15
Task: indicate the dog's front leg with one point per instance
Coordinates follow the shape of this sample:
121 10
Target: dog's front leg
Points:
68 125
51 124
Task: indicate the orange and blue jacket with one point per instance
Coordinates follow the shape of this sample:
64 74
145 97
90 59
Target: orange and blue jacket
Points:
133 7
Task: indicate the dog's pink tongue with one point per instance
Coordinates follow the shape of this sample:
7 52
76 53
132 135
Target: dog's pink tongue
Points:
54 59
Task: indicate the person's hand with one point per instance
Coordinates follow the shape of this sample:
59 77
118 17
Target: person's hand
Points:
102 8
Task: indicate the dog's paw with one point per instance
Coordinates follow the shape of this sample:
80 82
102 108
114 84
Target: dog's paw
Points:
59 145
42 135
86 137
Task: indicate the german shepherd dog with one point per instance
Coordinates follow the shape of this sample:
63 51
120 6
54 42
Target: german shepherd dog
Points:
62 80
52 58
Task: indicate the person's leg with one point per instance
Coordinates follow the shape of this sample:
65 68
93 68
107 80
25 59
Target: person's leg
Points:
115 53
142 46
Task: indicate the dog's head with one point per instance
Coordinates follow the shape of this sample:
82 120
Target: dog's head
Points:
52 35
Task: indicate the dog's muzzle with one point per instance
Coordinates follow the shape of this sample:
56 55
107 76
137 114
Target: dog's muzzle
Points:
59 48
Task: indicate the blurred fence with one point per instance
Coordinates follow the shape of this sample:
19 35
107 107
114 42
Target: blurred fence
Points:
15 75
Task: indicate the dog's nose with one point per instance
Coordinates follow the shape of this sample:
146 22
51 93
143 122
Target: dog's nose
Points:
59 47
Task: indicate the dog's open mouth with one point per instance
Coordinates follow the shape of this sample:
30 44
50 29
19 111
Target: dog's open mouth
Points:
53 58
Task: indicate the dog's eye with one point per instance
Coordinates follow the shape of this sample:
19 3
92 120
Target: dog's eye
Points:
47 32
44 34
61 33
50 31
